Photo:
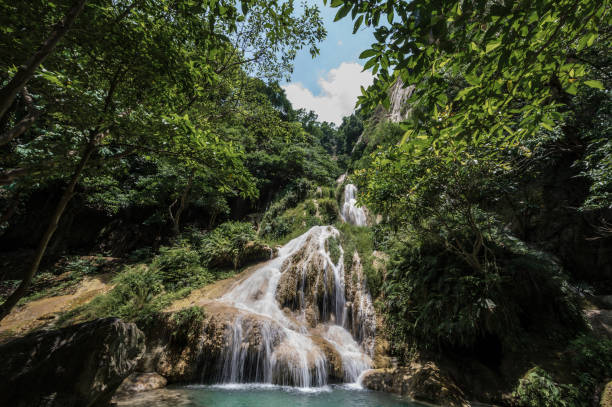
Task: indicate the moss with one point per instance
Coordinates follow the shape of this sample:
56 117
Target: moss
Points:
333 247
360 239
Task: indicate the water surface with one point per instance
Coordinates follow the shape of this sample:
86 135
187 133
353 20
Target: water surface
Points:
228 395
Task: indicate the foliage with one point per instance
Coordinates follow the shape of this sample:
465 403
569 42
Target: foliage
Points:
537 389
180 266
359 239
135 296
434 299
226 244
328 210
485 73
333 247
591 361
187 324
376 136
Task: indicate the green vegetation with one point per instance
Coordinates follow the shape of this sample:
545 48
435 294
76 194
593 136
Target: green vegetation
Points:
333 247
297 211
157 132
537 389
187 324
360 239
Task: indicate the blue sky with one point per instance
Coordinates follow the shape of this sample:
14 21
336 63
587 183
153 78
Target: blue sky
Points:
329 84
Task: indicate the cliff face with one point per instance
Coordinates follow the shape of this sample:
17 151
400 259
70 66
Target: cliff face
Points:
398 95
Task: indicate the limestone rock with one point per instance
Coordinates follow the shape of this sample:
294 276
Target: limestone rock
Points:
606 396
422 381
78 366
600 321
139 382
255 252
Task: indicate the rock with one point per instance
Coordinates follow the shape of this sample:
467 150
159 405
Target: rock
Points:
600 321
138 382
256 251
422 381
606 396
159 397
81 365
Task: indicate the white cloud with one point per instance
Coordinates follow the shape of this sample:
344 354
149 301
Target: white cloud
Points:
340 43
339 90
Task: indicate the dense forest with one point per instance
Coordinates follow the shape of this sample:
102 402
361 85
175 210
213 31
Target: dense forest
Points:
151 162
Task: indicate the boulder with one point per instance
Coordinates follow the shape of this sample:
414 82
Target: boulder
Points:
78 366
139 382
422 381
600 321
606 396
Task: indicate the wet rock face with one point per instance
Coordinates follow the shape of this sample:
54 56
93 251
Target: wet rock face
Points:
81 365
422 381
307 283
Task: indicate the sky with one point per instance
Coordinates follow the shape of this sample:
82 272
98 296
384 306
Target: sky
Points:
330 83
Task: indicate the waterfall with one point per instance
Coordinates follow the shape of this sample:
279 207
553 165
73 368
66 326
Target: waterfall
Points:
291 316
351 213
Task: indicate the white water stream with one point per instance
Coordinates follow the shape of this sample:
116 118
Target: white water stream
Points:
351 213
291 346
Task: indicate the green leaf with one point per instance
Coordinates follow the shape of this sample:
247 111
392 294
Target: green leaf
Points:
343 11
357 24
368 53
594 84
492 45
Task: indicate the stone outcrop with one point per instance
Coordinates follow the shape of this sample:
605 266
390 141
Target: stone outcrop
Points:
606 396
139 382
78 366
422 381
600 321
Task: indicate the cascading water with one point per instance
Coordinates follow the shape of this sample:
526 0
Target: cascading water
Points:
291 314
351 213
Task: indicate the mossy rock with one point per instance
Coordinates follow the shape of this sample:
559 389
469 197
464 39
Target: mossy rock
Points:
606 396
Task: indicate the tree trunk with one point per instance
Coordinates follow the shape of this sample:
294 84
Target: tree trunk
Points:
176 218
12 300
25 72
25 123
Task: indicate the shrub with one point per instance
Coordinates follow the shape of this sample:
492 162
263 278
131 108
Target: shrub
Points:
435 298
179 266
225 245
537 389
357 238
591 360
187 324
328 210
333 246
133 298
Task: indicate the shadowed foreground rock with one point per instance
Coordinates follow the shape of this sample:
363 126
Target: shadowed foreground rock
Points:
420 381
78 366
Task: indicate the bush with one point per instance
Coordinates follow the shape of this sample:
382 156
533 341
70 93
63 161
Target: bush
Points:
358 238
134 297
179 266
333 247
434 297
328 210
537 389
591 360
187 324
225 245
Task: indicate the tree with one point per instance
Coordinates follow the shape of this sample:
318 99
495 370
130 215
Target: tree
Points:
124 68
485 72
